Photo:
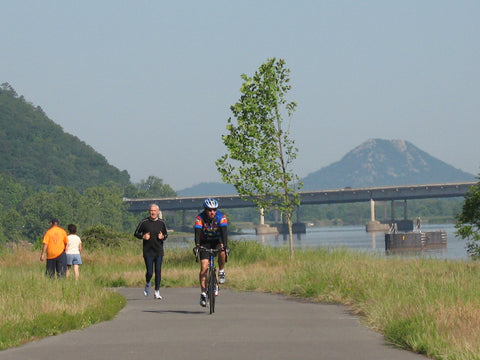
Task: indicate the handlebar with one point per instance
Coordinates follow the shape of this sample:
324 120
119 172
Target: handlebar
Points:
197 249
211 251
214 252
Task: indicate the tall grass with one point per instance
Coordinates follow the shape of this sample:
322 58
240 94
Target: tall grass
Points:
425 305
33 306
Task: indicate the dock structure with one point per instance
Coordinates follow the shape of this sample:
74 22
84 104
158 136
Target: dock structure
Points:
412 238
415 240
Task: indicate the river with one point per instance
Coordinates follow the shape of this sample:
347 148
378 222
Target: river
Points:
354 237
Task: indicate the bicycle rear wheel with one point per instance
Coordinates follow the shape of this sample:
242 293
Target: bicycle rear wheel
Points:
212 283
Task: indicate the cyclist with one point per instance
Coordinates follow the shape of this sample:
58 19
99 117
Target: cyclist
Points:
211 233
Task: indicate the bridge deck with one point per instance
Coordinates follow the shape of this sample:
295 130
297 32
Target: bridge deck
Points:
347 195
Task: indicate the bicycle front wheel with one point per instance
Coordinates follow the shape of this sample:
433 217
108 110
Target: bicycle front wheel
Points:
212 284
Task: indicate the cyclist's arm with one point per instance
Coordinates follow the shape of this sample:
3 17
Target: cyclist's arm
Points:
198 236
223 235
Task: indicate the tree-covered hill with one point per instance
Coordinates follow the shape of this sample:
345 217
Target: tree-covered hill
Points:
37 152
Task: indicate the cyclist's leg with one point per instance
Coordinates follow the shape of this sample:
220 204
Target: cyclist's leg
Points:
203 274
221 256
221 260
203 278
204 263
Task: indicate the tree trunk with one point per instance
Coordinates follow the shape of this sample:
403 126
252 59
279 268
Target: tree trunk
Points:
290 235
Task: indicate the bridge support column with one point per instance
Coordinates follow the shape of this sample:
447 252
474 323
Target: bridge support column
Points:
372 210
174 217
374 225
404 209
405 224
392 211
262 228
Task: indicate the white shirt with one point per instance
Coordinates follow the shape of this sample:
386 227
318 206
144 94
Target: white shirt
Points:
73 244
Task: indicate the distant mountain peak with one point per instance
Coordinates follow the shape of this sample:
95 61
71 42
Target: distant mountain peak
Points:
375 162
379 162
400 145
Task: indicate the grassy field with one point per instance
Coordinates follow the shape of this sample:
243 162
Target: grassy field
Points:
425 305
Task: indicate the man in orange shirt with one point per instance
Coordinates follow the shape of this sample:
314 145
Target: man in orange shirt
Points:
54 242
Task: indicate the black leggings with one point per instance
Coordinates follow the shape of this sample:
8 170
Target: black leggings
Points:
150 262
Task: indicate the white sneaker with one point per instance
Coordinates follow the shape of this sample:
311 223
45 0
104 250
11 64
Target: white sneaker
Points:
203 299
221 277
157 295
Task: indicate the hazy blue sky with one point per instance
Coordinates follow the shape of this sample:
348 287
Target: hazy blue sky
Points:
149 84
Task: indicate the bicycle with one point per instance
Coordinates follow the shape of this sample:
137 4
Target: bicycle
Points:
212 280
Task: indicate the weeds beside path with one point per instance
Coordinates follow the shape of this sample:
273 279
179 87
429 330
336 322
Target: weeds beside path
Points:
426 305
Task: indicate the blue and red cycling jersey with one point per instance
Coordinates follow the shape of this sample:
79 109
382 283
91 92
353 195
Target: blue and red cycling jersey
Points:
210 229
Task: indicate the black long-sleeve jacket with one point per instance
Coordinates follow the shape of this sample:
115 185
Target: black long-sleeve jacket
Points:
154 246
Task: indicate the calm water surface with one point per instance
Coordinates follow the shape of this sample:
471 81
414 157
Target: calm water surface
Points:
355 237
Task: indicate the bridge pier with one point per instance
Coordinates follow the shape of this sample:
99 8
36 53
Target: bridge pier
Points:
404 210
264 229
402 225
375 225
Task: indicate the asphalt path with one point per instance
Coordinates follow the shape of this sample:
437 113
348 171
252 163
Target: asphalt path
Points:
246 325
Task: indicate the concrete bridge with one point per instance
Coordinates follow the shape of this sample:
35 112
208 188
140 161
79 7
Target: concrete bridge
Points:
346 195
335 196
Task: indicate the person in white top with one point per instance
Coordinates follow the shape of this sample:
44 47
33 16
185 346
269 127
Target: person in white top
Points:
73 250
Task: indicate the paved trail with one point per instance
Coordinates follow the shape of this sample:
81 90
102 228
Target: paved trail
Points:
244 326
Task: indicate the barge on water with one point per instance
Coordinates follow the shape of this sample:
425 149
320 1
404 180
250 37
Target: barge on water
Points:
415 239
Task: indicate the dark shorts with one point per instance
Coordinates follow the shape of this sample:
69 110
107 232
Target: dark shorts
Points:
209 245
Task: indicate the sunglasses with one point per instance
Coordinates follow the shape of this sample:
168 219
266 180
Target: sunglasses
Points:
214 210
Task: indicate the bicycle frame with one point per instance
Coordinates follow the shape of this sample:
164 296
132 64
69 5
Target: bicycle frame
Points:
212 281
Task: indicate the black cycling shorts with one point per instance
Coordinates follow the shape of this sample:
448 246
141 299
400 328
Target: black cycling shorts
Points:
209 245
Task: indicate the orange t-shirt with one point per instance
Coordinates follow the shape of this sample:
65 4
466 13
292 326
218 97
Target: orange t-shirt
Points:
56 239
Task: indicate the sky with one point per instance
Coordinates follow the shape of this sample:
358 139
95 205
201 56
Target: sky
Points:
149 84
